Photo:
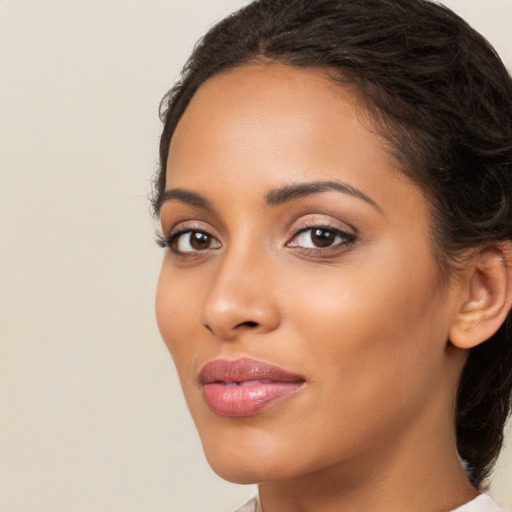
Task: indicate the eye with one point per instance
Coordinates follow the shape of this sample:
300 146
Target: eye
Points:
318 237
191 241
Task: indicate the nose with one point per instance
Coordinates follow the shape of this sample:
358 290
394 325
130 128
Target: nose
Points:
240 299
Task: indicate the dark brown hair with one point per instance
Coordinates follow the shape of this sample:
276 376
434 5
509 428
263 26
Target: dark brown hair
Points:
442 98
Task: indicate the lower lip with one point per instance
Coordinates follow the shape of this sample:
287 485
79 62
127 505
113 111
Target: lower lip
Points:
246 399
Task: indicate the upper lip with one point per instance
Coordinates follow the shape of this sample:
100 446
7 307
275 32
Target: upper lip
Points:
240 370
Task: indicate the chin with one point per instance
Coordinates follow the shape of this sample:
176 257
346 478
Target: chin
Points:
246 470
248 459
239 475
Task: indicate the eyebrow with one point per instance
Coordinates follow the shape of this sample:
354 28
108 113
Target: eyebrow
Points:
187 197
273 197
290 192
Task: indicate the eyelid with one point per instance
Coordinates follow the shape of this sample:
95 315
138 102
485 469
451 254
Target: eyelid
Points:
320 221
191 225
165 240
344 234
348 236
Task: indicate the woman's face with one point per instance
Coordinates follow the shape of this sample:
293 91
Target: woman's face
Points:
298 296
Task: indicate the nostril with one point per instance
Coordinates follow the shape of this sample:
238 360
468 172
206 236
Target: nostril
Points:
208 327
249 324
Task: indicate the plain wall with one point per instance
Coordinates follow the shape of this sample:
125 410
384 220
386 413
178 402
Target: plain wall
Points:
92 417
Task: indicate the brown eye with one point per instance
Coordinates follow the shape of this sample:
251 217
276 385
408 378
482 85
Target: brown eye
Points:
200 241
322 237
319 237
193 241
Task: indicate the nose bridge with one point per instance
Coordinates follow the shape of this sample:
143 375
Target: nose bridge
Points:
240 294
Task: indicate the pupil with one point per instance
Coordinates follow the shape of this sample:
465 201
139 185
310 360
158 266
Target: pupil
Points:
199 241
322 237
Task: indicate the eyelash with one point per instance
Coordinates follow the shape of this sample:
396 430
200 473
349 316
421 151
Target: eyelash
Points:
168 241
347 239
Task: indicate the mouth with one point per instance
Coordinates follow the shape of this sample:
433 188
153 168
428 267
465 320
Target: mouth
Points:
244 387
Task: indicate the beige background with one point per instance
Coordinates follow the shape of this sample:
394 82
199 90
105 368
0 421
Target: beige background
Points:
92 418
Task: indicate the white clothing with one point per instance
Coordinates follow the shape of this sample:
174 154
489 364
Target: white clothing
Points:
482 503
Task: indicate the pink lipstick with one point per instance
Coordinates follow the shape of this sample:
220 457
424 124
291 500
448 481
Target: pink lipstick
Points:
244 387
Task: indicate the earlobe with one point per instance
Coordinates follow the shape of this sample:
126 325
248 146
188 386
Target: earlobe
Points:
488 297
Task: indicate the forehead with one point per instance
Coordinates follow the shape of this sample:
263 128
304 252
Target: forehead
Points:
276 124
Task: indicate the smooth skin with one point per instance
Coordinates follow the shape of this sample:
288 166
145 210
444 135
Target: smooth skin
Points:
358 308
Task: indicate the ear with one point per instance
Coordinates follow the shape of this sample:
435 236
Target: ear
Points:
487 298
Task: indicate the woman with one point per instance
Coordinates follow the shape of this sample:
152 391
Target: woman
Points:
335 203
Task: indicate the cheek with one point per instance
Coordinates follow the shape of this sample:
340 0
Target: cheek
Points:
175 305
373 342
383 319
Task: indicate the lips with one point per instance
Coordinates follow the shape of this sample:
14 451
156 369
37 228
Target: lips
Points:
244 387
